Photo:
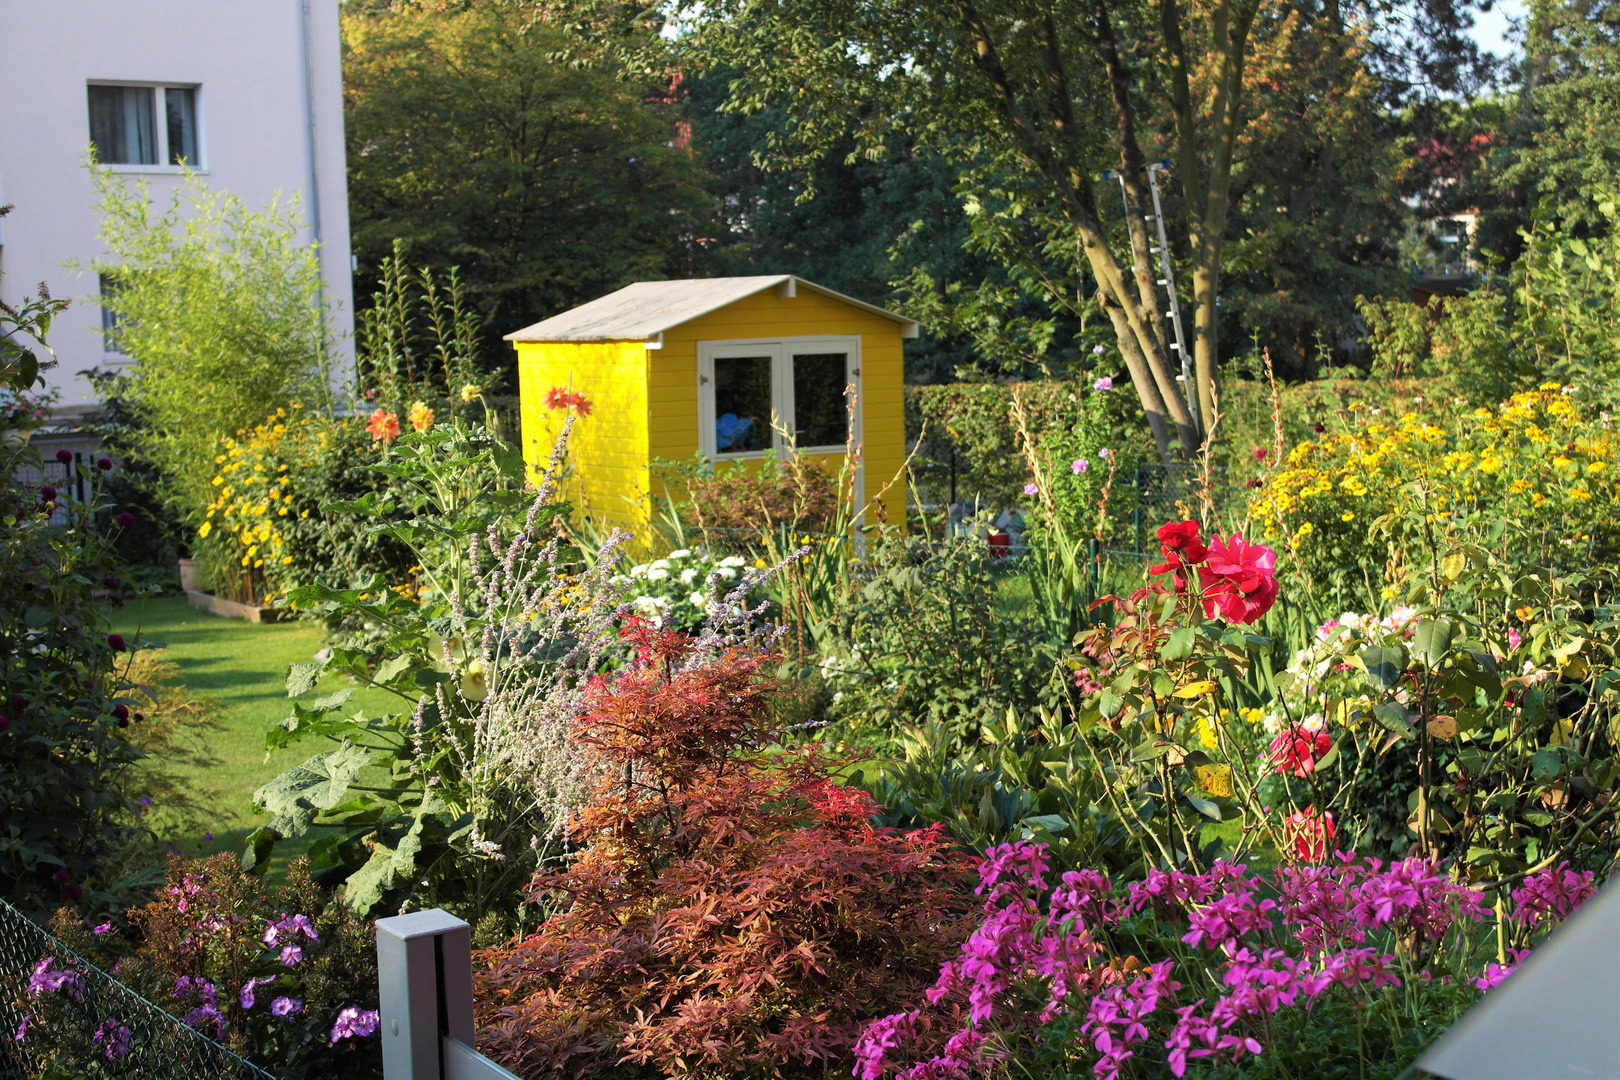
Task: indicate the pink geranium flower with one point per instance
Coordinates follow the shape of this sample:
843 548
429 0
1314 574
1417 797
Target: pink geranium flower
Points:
1239 580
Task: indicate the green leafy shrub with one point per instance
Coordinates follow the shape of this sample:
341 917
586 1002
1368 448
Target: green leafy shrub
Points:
67 783
453 797
919 639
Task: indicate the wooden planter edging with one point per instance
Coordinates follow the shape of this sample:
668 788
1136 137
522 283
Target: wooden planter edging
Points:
218 605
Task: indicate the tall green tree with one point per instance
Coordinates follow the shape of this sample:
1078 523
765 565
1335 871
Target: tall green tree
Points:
548 182
1033 99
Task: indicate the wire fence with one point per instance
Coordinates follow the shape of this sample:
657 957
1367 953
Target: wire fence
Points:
159 1046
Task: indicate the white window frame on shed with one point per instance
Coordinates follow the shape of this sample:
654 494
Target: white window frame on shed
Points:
781 351
160 124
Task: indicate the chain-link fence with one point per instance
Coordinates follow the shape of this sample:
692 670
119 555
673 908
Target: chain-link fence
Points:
160 1047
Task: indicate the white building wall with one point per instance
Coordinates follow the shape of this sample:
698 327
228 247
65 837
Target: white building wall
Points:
248 59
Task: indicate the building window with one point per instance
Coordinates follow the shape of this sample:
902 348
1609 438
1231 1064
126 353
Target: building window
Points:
125 125
109 317
751 392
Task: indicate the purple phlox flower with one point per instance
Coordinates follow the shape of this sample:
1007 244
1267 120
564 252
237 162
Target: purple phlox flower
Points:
1087 895
1011 869
104 928
1496 973
204 1015
1079 465
1316 901
1415 895
1554 893
1352 967
291 954
1104 383
1190 1028
146 801
958 1061
47 979
1179 887
354 1022
1223 921
245 996
289 927
286 1006
115 1040
1118 1016
208 837
877 1042
200 986
22 1029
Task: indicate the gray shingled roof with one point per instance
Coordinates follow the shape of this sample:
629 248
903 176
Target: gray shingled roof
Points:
646 309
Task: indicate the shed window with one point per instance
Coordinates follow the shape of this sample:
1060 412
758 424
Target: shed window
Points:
748 390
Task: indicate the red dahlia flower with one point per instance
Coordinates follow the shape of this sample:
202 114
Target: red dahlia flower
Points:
1240 581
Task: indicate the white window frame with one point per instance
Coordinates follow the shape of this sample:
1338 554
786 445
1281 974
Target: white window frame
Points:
780 350
161 122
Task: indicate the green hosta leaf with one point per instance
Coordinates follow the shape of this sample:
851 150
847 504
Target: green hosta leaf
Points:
1383 665
301 678
1431 641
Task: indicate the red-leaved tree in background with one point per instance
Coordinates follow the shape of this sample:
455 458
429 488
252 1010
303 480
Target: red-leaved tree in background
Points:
733 910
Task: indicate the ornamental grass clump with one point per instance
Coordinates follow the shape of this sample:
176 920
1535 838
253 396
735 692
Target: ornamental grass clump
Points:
732 911
1352 966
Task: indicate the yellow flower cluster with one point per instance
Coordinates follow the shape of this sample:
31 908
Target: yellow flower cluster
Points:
1537 462
252 494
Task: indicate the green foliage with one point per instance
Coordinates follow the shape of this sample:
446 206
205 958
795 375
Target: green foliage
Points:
221 308
549 183
66 786
453 798
918 640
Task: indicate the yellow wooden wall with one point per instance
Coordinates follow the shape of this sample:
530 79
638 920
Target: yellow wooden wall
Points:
645 400
672 378
608 449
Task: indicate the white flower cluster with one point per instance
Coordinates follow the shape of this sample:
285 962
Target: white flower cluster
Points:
677 589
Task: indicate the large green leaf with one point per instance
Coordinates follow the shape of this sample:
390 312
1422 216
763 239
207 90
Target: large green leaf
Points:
299 794
385 869
1392 716
1383 664
1431 641
301 678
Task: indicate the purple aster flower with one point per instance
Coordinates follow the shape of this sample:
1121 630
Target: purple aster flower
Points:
354 1022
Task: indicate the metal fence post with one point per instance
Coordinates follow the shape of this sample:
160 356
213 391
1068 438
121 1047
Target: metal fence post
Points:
424 972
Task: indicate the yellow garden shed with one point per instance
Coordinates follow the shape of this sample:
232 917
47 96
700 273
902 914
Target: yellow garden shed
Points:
672 367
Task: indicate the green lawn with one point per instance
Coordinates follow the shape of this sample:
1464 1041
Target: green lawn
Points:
244 666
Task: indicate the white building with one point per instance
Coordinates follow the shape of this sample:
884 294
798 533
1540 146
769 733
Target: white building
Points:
247 92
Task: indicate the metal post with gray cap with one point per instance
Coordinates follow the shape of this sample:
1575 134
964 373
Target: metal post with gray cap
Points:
424 975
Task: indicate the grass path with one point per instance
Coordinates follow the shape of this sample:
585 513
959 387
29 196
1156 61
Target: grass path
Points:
244 667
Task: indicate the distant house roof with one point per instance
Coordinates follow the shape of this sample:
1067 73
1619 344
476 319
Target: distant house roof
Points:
643 311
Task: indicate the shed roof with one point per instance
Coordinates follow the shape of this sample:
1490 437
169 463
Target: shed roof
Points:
643 311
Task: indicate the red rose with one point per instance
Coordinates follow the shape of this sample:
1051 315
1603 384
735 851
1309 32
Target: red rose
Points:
1240 582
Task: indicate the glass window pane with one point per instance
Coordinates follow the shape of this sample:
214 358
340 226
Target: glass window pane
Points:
181 106
742 404
121 125
820 409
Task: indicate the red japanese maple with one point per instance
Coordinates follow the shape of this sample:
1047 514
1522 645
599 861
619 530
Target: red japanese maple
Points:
733 910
